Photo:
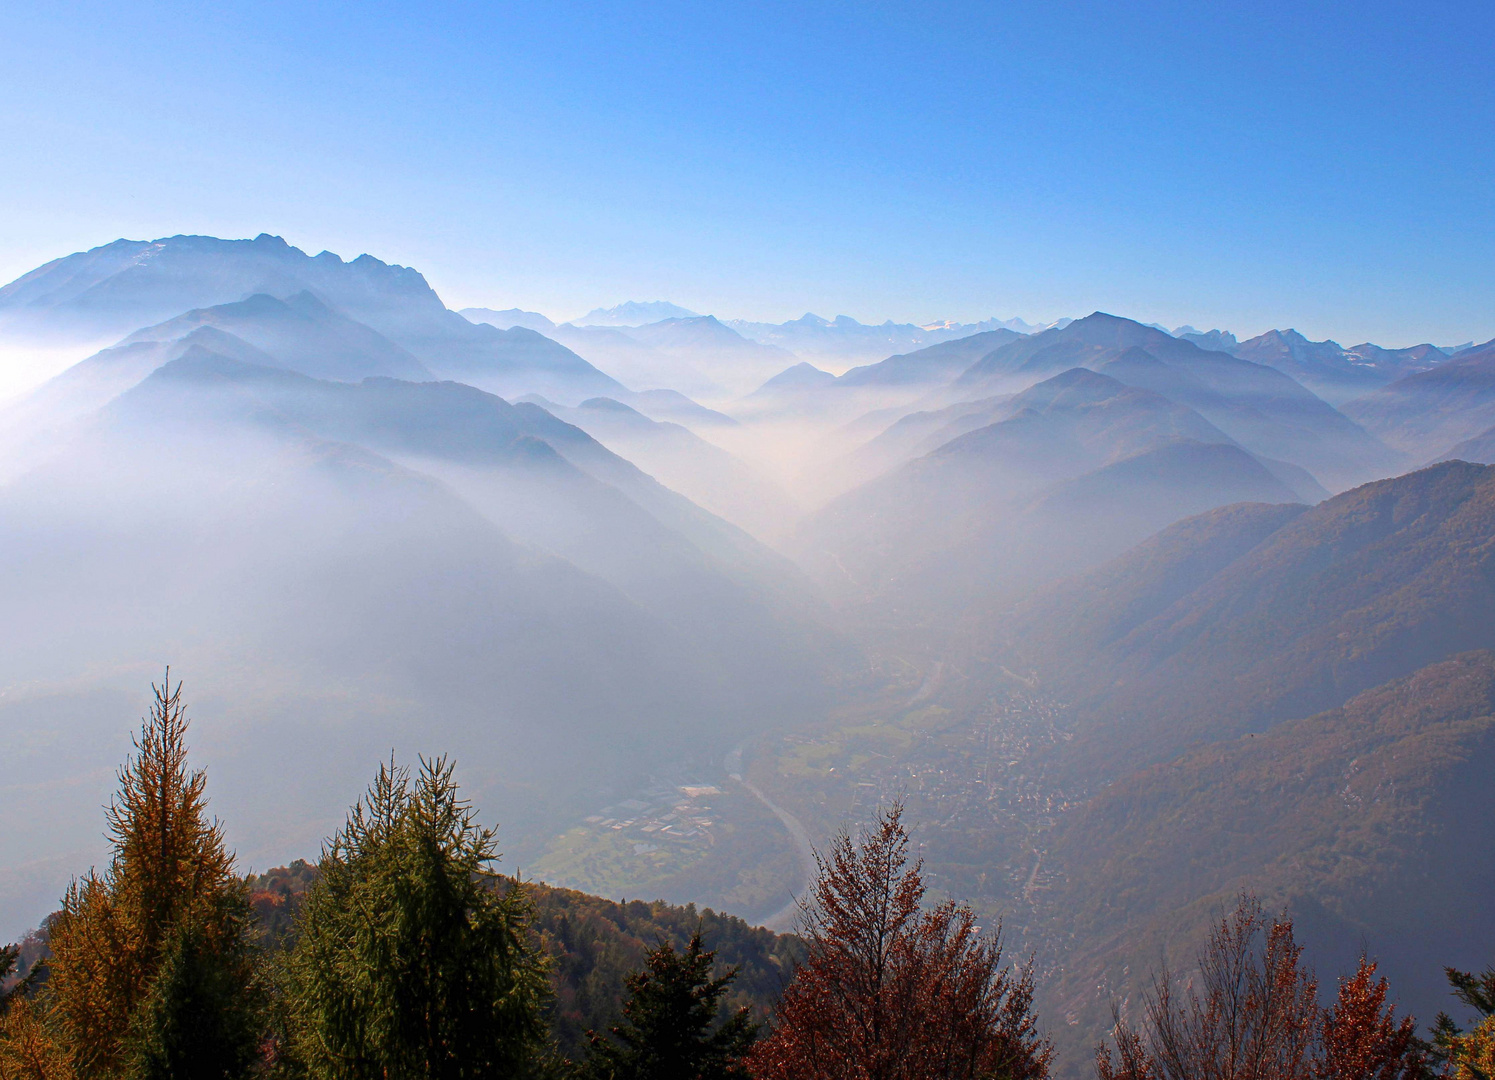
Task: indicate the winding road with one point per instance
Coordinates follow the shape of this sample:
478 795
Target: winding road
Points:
783 919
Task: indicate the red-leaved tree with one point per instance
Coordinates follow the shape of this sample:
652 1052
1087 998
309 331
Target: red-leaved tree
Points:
1252 1013
891 991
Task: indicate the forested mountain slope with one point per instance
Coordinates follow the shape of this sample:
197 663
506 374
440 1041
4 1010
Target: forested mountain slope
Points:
1228 623
1368 822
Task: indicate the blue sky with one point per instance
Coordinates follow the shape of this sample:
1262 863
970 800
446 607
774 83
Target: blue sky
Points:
1324 166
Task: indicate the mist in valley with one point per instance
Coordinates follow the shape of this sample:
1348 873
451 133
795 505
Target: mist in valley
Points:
683 597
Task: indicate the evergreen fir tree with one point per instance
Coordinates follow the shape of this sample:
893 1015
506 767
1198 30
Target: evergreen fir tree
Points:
408 962
670 1029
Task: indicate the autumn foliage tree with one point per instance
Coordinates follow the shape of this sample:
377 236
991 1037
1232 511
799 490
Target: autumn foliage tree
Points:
1469 1055
153 969
892 991
1253 1014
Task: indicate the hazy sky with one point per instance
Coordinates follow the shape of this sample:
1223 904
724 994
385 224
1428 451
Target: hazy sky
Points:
1325 166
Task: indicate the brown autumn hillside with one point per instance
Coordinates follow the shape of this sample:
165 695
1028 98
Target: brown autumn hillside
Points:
1369 822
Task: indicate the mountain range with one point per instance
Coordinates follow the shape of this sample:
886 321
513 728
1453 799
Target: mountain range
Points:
113 290
1427 413
634 313
843 340
1333 372
1131 619
1066 473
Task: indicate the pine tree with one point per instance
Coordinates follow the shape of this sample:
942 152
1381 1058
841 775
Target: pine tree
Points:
408 962
670 1028
153 970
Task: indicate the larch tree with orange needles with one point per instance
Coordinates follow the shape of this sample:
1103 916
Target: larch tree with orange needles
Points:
153 968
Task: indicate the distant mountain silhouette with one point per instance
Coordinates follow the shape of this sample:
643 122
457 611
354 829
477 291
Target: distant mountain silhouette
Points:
302 334
633 313
843 340
129 284
1333 372
425 555
530 320
1258 406
801 376
714 350
934 364
635 363
116 288
1427 413
330 603
1071 471
1216 340
675 406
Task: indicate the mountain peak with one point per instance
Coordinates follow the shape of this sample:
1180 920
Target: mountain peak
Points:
635 313
801 374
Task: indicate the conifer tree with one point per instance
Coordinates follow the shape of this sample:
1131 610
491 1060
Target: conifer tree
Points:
26 1050
20 982
670 1028
408 962
1468 1055
153 970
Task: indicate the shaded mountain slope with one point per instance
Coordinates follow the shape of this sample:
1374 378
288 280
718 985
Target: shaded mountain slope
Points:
1368 822
300 578
908 436
1427 413
799 378
1363 588
1480 449
1257 406
360 566
506 362
543 481
674 406
531 320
